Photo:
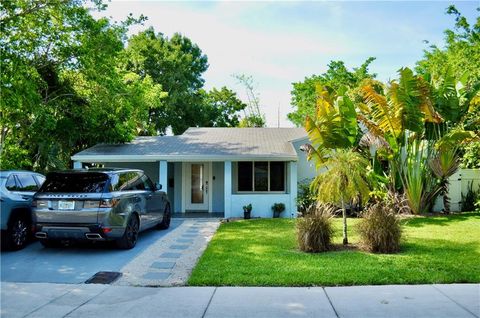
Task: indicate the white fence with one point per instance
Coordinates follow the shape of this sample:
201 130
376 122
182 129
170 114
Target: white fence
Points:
459 183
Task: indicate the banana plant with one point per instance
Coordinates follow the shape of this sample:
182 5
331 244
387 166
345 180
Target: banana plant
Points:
397 114
334 125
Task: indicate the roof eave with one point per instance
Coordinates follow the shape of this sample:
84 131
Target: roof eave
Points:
182 158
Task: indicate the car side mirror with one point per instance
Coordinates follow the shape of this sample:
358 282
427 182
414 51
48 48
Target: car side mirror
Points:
158 187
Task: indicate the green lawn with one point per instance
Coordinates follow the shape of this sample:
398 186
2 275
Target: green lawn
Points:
263 253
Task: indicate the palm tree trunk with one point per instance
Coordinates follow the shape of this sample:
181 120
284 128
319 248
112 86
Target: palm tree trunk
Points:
344 214
446 199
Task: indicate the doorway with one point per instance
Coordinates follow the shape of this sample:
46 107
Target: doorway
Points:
197 187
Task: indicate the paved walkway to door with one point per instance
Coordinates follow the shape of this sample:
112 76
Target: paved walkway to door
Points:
169 261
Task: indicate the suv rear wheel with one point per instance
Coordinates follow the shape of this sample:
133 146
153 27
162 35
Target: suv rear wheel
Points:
129 238
167 215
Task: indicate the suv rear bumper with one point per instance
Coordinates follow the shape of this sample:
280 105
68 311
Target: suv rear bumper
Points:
78 232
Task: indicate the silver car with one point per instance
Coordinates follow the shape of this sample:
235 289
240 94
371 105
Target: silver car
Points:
98 205
17 188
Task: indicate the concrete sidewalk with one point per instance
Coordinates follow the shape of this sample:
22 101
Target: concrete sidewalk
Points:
71 300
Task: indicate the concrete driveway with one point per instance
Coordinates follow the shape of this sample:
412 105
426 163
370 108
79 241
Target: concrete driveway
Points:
74 264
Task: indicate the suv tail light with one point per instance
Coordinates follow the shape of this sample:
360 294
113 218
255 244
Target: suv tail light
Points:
40 204
110 203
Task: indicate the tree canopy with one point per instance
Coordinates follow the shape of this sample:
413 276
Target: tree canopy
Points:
221 108
461 55
61 88
304 94
175 63
70 81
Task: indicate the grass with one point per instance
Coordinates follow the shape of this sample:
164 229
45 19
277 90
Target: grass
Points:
441 249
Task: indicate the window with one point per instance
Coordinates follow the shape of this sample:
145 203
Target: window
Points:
90 182
11 184
245 176
27 183
277 176
40 179
127 181
148 184
261 176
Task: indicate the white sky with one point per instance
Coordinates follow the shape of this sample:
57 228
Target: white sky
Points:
282 42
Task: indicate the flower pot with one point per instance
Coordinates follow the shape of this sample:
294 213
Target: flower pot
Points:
276 214
246 215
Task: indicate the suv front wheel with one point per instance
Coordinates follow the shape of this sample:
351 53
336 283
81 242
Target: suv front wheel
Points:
129 238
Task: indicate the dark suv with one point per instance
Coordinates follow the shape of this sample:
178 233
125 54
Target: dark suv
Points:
16 192
98 205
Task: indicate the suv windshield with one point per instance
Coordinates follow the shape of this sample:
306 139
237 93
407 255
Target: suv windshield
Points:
90 182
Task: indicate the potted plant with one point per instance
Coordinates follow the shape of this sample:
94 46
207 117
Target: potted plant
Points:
247 209
278 208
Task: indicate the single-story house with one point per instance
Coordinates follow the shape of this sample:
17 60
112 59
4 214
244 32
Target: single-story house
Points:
217 170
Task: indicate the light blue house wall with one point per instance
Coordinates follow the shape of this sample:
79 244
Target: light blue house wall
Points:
262 202
168 160
231 204
305 168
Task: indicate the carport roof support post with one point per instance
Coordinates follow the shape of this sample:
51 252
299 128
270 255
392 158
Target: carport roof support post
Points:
77 165
228 189
163 175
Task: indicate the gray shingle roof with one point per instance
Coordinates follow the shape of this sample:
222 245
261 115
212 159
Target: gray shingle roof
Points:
203 143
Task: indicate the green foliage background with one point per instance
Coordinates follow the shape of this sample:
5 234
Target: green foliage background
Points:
69 81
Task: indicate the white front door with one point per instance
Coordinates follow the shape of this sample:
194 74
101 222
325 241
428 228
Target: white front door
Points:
197 188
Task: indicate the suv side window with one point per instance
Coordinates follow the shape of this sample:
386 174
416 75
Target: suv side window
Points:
123 183
148 183
27 183
40 180
11 183
127 181
137 182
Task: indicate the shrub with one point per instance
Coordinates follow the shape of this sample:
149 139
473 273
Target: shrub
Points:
470 199
305 197
315 230
470 158
380 230
399 201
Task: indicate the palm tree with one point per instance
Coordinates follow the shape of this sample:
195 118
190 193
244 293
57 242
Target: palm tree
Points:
341 178
343 181
445 160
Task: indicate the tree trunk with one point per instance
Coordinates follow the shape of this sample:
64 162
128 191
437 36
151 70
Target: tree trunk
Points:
344 214
446 199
